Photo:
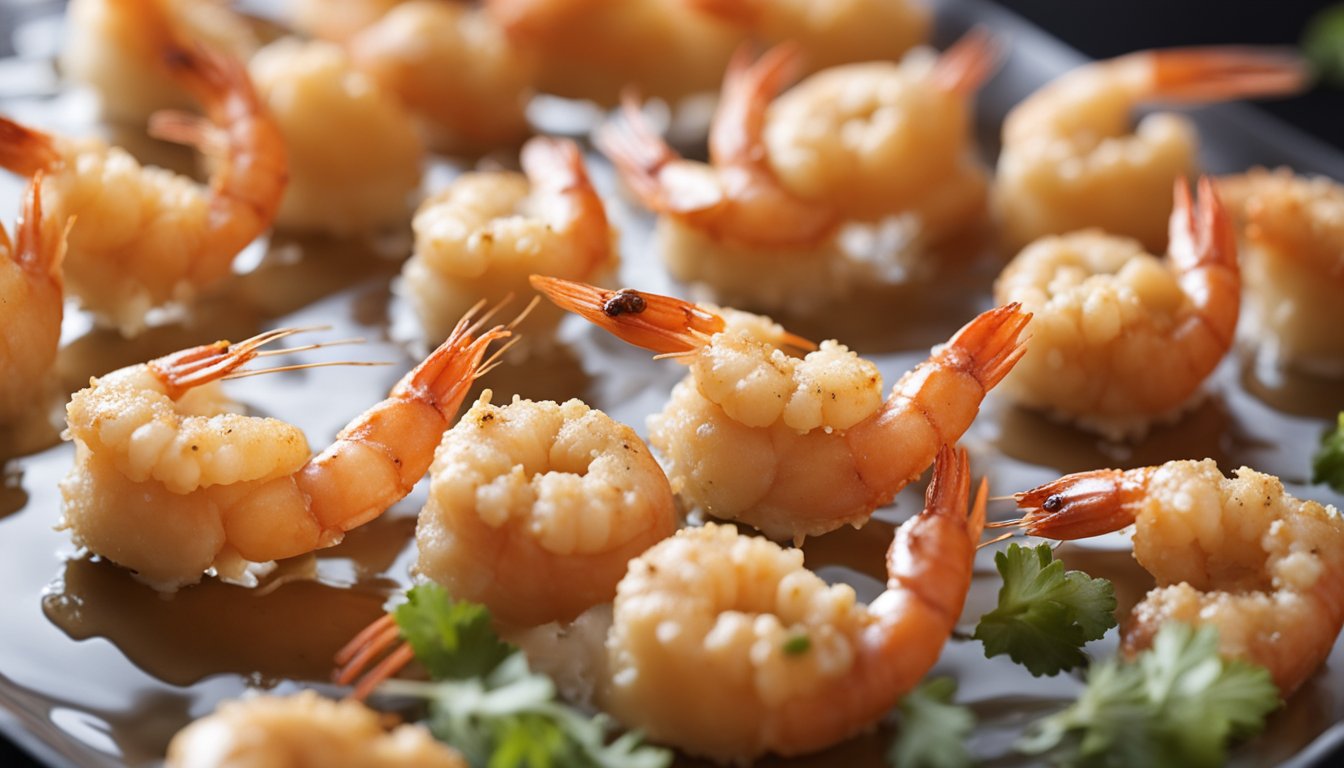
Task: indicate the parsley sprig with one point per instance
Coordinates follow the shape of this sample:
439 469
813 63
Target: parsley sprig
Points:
1045 614
1327 466
933 731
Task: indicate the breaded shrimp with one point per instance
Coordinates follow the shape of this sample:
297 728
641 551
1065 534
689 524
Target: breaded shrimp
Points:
830 32
325 109
304 730
758 224
1071 160
795 446
31 303
1292 255
146 237
170 483
725 646
486 232
1239 554
1120 339
594 49
109 48
455 69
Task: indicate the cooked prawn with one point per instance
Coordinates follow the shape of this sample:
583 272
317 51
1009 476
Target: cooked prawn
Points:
170 483
1239 554
830 32
486 232
1292 254
1107 315
1069 158
146 237
725 646
304 730
310 86
795 446
337 20
594 49
32 296
481 105
109 48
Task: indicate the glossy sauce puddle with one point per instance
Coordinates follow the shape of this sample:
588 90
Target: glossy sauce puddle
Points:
118 668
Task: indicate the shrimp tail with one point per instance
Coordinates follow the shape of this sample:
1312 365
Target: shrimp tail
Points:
941 538
990 345
36 253
444 377
181 371
736 135
968 63
24 150
1225 72
553 162
1081 505
661 324
1203 250
354 659
643 161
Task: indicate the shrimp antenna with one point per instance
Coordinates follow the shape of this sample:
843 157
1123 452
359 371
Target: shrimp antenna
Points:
1006 523
355 657
477 323
996 540
310 347
495 359
303 366
531 305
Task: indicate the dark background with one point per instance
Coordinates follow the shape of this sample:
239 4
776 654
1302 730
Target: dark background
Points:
1104 28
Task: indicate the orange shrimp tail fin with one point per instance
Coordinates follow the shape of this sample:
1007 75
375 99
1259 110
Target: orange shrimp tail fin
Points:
661 324
737 133
24 150
949 489
933 553
445 376
991 344
1218 73
181 371
1203 249
37 253
556 163
353 660
653 172
1077 506
968 63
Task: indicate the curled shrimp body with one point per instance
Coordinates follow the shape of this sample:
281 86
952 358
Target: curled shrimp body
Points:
481 104
304 730
1107 315
595 49
337 20
146 237
882 139
170 483
1070 159
32 298
795 446
486 232
725 646
308 87
830 32
110 49
535 508
1240 554
1292 254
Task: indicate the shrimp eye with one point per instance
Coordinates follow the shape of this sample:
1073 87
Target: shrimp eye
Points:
1053 503
624 302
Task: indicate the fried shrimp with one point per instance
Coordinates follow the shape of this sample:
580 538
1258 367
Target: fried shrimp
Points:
482 103
146 237
337 20
594 49
109 48
1119 339
727 647
170 483
535 508
31 302
304 730
1069 157
830 32
1292 255
1239 554
486 232
881 139
310 87
795 446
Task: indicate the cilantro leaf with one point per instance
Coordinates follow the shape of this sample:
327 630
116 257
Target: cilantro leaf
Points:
493 709
1178 704
933 730
452 639
1323 44
1045 614
1327 466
